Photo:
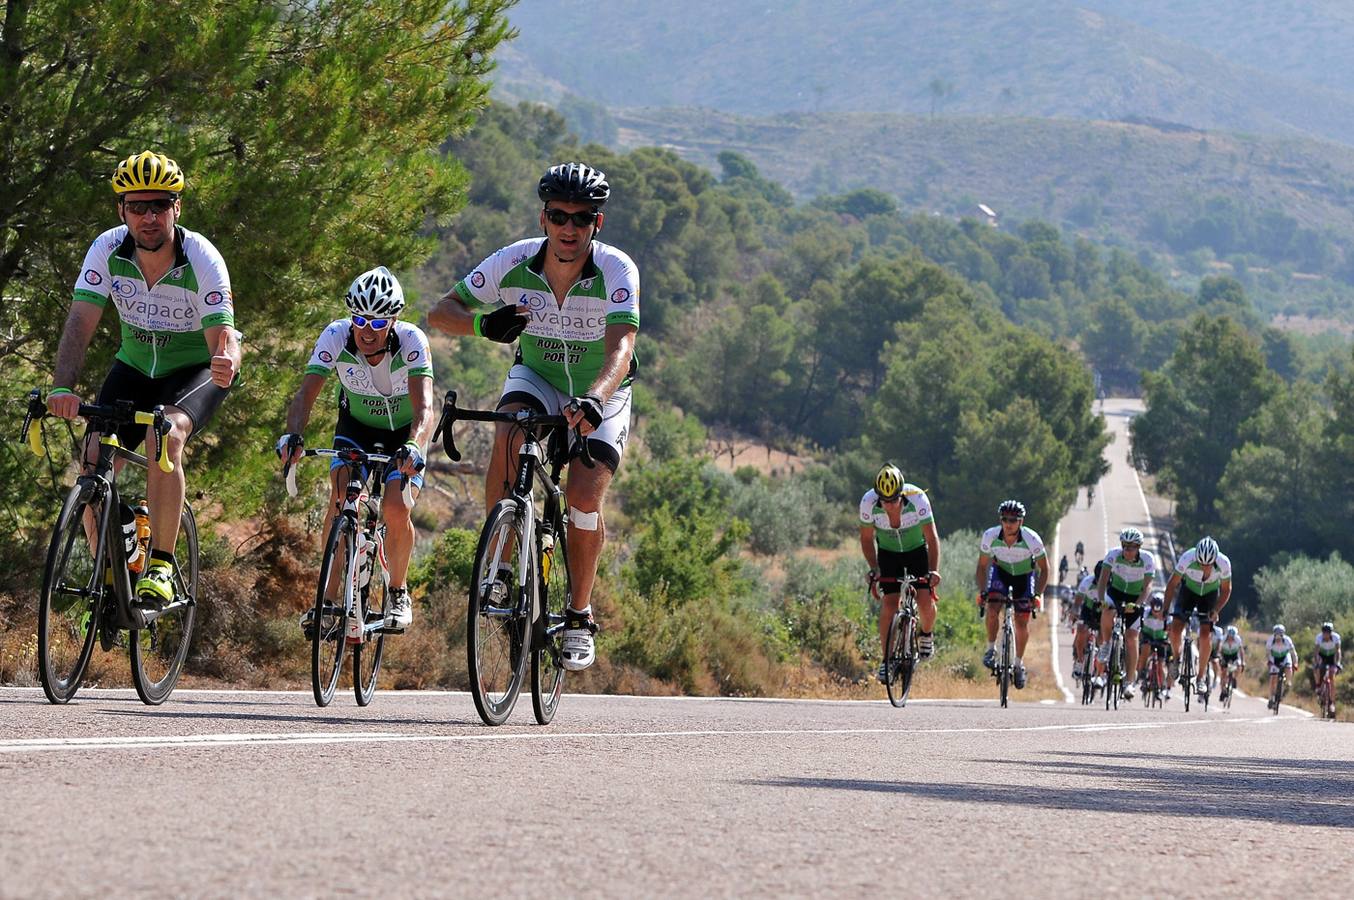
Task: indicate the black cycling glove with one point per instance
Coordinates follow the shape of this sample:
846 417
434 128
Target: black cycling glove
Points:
591 407
502 325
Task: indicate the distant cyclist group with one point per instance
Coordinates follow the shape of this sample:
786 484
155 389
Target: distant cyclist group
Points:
571 305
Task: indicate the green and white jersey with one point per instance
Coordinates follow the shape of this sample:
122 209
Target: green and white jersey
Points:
1014 559
564 344
916 512
1231 647
1130 577
1279 650
1153 627
1087 592
1192 573
1328 647
162 324
375 395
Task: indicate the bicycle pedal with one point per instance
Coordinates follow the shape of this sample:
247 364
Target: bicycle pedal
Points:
390 629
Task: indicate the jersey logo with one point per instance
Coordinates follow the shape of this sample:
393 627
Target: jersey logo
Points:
412 355
123 288
477 279
215 298
325 357
534 302
93 277
620 295
620 438
585 284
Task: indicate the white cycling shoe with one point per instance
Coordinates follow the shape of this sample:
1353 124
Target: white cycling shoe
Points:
579 646
1129 691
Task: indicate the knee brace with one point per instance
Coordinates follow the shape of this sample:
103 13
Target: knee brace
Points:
583 521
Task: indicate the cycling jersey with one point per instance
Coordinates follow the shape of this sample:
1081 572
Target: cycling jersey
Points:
1281 649
1153 626
565 344
1129 578
376 395
162 324
916 512
1013 559
1231 647
1086 591
1328 647
1191 572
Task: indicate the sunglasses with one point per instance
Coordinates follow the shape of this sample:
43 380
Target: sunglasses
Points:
580 219
141 207
1010 518
373 324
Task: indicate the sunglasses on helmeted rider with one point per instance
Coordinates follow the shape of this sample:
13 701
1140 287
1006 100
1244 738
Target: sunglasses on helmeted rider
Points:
373 324
141 207
1010 518
580 219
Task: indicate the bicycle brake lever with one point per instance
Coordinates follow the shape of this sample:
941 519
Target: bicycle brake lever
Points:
584 454
32 427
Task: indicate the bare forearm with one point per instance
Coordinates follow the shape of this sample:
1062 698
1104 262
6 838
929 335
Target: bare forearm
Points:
81 323
620 349
450 315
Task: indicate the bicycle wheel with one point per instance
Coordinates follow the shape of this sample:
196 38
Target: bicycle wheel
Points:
1007 654
1278 692
72 597
496 616
547 653
158 651
1231 689
1187 673
330 625
367 655
902 644
1112 674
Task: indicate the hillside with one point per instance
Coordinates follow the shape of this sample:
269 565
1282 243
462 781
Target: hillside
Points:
1209 68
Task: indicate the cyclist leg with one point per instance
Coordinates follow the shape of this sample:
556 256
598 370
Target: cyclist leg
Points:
995 594
522 389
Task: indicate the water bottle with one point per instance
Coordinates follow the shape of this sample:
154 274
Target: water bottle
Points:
136 561
547 554
364 554
128 516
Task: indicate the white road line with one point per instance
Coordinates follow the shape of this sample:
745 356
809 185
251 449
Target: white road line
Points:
176 742
1053 622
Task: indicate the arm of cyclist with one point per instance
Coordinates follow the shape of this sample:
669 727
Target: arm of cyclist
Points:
226 354
420 430
1224 594
1103 584
452 315
1041 569
867 548
298 414
1173 587
585 413
980 575
928 531
81 323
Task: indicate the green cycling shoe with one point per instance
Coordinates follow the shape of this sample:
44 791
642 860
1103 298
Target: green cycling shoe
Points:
156 587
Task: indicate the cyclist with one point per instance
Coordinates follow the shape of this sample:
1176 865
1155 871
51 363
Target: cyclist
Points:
178 348
385 389
1090 616
1328 656
574 301
1124 584
1153 634
1080 554
1011 556
1213 662
1062 569
1203 582
1282 656
1231 652
1090 495
897 534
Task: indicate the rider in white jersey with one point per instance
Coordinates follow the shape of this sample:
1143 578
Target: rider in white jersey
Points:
1328 654
1088 611
574 302
385 394
1125 583
1282 655
1231 652
1203 583
1011 559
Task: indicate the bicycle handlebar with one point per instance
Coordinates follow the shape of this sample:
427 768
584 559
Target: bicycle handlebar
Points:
104 417
349 455
451 414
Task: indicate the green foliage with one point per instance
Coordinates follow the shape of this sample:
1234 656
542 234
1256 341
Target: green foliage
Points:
450 562
780 513
1305 592
957 622
828 617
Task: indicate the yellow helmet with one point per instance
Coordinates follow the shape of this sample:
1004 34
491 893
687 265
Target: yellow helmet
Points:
889 482
147 171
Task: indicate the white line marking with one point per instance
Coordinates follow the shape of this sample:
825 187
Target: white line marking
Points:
1053 622
175 742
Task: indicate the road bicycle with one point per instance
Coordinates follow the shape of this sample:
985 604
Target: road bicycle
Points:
1280 688
1088 687
901 658
1003 669
1325 689
87 590
1210 680
1114 663
1189 659
1154 685
354 554
1229 686
520 585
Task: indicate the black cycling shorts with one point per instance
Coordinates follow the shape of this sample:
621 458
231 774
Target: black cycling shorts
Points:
892 564
190 390
1187 602
1090 617
352 433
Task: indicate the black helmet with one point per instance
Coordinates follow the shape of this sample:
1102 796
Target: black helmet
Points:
574 183
1011 508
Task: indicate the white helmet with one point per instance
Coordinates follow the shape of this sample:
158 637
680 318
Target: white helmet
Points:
1206 551
1279 629
1130 535
1231 631
376 294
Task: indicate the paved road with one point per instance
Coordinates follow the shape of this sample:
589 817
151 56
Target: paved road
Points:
223 794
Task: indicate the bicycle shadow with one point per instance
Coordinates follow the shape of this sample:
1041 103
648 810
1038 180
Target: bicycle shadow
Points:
302 716
1278 791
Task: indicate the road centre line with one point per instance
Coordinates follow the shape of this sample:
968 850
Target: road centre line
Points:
176 742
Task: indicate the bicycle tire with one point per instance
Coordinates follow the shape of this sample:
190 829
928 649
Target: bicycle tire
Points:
1231 689
1187 672
902 642
1278 692
158 652
1007 652
496 622
547 654
328 637
368 654
67 621
1113 674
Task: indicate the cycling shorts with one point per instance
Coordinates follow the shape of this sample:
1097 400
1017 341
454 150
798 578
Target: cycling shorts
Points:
1187 602
892 564
1090 617
1146 643
529 388
1276 664
1022 587
189 389
1324 661
351 433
